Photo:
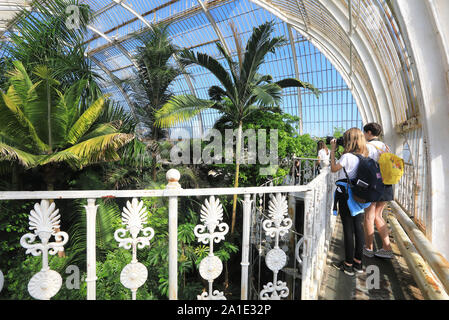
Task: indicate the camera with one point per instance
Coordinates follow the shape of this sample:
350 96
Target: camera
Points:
340 141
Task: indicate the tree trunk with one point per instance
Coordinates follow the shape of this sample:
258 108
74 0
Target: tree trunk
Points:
15 181
237 170
154 168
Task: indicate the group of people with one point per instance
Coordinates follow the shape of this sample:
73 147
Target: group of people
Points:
358 230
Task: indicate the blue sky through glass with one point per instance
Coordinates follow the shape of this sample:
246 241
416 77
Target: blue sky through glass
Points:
335 107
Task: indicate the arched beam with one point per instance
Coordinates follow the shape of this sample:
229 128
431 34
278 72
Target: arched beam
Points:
214 26
118 45
297 75
123 4
340 62
425 25
373 68
116 81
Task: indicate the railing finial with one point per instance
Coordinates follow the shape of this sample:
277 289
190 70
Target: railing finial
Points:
173 177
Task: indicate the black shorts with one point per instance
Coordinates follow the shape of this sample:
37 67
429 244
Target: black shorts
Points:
388 194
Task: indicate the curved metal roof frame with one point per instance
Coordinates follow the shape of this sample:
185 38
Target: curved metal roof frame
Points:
372 95
328 24
367 58
201 7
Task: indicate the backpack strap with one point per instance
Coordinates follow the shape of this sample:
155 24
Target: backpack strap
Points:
347 177
380 150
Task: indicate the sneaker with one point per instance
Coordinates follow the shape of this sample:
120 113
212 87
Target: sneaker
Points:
342 266
367 252
386 254
358 267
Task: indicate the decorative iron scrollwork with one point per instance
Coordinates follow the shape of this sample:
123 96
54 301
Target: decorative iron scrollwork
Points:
134 217
277 226
44 220
212 230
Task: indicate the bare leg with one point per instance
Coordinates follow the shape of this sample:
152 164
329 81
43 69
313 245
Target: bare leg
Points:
382 226
368 226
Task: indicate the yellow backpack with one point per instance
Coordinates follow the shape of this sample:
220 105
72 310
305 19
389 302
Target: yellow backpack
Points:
391 167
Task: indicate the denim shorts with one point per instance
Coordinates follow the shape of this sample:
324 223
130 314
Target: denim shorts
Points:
388 194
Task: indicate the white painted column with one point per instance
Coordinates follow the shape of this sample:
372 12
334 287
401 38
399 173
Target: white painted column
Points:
2 280
245 245
307 245
423 22
173 177
91 213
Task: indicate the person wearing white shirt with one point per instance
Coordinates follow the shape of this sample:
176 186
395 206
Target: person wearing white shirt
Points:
373 214
354 143
323 155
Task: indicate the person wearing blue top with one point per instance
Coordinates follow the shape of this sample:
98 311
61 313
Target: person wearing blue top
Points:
354 239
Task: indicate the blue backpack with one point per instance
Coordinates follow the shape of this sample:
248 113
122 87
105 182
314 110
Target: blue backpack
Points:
367 186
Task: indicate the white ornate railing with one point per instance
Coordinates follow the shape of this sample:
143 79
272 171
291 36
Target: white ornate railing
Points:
44 220
134 217
318 228
307 169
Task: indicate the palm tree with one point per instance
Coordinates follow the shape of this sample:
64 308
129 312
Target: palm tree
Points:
45 38
242 85
150 89
41 126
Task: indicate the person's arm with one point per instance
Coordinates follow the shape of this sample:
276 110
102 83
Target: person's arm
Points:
335 167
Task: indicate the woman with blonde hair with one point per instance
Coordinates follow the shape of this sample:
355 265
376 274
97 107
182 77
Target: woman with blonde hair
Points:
354 144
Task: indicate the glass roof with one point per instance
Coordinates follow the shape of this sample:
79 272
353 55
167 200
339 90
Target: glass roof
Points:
197 25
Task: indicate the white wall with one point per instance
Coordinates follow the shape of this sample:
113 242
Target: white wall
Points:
427 27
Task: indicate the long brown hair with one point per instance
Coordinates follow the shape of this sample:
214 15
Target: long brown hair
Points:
322 145
355 142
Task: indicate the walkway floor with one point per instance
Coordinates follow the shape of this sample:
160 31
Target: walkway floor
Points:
396 282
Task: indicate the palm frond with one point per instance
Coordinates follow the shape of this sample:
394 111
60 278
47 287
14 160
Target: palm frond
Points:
295 83
267 95
216 93
21 120
180 109
211 64
86 120
258 46
62 156
25 159
100 149
19 79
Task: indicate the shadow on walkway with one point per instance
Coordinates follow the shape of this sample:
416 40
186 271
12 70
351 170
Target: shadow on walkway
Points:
395 280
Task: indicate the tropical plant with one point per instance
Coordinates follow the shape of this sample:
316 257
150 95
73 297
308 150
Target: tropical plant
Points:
41 126
190 253
46 38
289 143
243 85
150 88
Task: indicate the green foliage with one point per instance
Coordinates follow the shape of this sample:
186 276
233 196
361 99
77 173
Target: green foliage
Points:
289 143
109 286
17 278
46 39
190 252
68 134
13 224
151 88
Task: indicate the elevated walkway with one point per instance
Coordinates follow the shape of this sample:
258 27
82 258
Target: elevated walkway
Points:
395 280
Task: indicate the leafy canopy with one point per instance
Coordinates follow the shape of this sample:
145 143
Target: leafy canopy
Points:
240 82
40 125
